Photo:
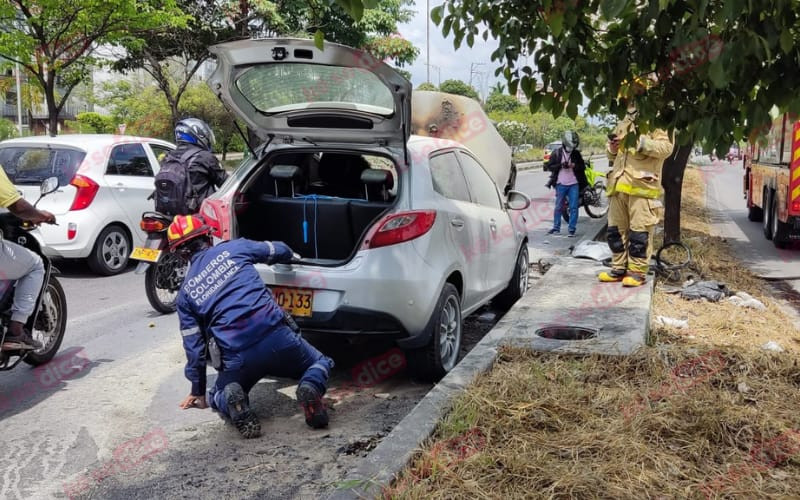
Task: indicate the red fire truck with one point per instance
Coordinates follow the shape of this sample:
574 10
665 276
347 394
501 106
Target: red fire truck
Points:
772 181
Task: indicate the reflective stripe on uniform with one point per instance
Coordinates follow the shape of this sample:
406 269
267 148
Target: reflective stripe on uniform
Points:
622 187
190 331
271 248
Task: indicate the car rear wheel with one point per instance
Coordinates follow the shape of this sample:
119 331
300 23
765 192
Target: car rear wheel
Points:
111 251
433 361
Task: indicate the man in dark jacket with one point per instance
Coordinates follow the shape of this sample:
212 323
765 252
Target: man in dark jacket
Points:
568 175
205 172
224 307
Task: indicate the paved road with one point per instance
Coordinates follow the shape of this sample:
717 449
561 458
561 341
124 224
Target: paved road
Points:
539 217
77 423
759 254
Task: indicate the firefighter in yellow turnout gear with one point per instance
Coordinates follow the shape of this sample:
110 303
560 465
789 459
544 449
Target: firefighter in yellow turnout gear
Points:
634 191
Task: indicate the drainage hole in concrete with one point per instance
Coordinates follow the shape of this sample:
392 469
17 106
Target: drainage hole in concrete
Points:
560 332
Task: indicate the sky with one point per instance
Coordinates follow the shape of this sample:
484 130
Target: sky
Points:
451 63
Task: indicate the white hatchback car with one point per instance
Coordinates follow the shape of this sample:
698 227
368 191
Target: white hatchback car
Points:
105 182
400 235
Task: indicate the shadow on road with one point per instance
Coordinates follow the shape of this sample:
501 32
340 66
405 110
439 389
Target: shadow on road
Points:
25 387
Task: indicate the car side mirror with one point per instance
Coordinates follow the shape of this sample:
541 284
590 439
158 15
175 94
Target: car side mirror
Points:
48 186
517 201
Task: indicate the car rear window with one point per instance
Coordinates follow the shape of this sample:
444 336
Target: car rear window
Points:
274 88
32 164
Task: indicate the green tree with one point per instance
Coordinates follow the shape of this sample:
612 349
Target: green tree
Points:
93 123
709 71
172 57
8 129
141 106
199 101
459 88
54 39
426 86
502 102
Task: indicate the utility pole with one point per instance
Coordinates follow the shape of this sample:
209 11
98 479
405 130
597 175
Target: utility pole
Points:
473 71
428 39
19 100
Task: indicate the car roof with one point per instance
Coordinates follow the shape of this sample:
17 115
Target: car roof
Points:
83 141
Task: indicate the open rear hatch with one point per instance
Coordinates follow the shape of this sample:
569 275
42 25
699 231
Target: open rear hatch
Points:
290 90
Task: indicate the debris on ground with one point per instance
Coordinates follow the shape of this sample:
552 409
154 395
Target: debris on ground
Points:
595 250
384 395
744 299
772 346
487 317
544 265
713 291
676 323
362 446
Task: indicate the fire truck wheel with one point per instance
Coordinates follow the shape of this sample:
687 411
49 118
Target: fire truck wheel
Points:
755 214
778 229
767 200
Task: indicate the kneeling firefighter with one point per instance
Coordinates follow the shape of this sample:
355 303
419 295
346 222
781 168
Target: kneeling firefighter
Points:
634 194
225 309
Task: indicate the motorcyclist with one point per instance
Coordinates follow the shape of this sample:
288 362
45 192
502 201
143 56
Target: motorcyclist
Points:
224 305
568 175
20 265
195 141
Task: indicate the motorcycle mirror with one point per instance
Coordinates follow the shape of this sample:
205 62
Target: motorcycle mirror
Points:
517 201
49 185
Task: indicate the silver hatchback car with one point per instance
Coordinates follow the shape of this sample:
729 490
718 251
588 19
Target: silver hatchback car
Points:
400 235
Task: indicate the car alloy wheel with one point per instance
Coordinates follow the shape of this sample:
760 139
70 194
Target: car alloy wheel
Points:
449 332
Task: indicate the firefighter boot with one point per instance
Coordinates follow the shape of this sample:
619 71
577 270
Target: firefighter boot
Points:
634 279
613 276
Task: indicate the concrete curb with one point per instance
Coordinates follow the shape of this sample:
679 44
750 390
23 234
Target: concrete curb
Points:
394 452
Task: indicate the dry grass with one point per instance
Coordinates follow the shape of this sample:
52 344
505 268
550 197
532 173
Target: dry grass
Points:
655 425
703 413
722 323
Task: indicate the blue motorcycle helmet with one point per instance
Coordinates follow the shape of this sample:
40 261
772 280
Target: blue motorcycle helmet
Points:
195 131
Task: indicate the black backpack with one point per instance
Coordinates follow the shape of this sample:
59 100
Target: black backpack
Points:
174 192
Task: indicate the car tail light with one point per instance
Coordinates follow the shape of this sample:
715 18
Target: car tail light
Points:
401 227
87 189
72 230
152 225
796 206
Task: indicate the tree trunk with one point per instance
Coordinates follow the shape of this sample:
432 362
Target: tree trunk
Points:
672 181
52 112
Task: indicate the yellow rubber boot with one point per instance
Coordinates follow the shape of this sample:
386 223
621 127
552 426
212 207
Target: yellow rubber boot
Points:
612 276
634 279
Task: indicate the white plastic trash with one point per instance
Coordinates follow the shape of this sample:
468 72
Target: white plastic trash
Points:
676 323
772 346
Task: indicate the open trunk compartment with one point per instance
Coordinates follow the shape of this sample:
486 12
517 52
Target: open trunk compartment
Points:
320 203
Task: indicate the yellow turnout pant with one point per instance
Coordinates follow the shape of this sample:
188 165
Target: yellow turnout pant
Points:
631 223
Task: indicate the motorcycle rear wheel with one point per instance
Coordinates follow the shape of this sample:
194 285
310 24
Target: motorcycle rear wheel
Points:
50 323
599 208
161 283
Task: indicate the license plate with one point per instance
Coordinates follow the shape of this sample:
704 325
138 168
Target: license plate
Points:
295 301
146 254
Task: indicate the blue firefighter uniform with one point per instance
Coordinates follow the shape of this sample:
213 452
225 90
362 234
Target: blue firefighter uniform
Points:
223 296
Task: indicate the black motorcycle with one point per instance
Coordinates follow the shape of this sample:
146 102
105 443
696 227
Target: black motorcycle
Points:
164 270
49 320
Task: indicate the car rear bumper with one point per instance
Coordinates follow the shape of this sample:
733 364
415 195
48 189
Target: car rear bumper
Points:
384 291
348 320
55 239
